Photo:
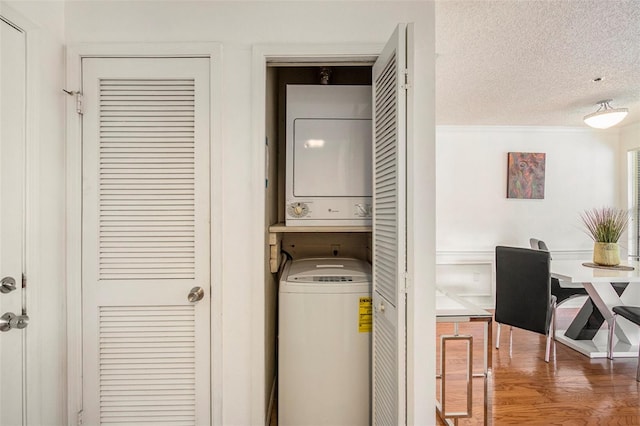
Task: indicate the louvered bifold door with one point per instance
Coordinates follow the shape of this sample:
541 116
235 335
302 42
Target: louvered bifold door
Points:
146 351
389 234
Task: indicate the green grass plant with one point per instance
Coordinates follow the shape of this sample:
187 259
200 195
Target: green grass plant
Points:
605 224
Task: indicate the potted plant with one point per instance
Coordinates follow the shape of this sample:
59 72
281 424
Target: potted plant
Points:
605 227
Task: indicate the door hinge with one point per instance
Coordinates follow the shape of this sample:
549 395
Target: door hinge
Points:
406 83
80 417
24 281
79 105
406 282
78 96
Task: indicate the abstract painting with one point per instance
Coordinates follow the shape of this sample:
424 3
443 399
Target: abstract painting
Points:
526 175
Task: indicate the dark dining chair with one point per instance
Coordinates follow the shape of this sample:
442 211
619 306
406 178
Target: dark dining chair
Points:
562 294
632 313
523 293
589 319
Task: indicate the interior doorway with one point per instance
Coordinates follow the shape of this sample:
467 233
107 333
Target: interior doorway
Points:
186 217
411 361
146 239
299 242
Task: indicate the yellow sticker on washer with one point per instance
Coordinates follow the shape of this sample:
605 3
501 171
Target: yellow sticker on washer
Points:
364 315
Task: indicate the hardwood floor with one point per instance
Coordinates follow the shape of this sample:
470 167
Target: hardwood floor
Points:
572 390
525 390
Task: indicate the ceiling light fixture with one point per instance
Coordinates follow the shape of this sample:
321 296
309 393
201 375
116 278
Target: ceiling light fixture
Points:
605 116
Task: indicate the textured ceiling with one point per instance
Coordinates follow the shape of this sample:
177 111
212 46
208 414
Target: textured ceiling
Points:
532 63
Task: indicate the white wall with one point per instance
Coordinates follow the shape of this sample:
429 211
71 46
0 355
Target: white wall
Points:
630 137
238 26
473 214
46 353
48 400
47 15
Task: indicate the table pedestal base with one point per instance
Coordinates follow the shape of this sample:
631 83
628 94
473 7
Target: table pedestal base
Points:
597 347
589 319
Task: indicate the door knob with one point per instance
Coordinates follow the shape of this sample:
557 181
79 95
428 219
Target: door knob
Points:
196 293
7 284
10 320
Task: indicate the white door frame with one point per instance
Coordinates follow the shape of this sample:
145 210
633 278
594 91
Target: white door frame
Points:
262 55
421 207
213 51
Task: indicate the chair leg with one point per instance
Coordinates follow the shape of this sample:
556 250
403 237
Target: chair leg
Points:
555 327
548 349
551 336
553 321
498 337
510 341
612 332
638 370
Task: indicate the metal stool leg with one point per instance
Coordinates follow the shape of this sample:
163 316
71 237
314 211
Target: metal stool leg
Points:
612 329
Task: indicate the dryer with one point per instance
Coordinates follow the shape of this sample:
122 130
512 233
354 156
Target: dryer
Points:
328 161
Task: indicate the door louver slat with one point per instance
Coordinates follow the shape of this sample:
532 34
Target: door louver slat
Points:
385 175
144 380
147 181
385 360
146 240
386 379
389 236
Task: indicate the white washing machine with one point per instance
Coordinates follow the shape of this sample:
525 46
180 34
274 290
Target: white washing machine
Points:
324 343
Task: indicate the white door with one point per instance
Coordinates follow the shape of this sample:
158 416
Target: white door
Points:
389 232
146 336
12 190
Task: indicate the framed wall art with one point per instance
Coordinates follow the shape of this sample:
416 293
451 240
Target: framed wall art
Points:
525 175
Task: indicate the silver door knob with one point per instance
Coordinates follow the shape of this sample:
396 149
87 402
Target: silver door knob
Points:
5 321
10 321
7 284
22 321
196 293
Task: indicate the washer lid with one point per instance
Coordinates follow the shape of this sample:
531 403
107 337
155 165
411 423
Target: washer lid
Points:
329 270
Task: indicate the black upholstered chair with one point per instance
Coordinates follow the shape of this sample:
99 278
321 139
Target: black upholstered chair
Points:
589 319
562 294
632 313
523 293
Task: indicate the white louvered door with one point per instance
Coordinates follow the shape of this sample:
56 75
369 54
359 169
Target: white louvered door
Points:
12 230
146 239
389 233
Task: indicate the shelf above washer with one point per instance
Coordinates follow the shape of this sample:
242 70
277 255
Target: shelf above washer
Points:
281 227
276 231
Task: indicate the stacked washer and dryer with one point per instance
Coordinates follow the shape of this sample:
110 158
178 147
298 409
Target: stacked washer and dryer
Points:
324 341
